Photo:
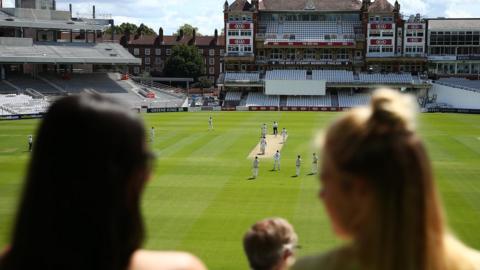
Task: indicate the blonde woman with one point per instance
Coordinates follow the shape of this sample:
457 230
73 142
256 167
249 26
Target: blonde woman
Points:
379 192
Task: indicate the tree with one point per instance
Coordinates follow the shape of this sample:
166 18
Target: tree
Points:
188 30
185 61
133 28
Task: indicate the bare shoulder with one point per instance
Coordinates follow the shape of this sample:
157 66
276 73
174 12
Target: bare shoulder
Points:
165 260
461 256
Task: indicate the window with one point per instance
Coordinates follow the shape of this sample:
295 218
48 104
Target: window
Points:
211 70
136 70
387 49
158 60
147 60
147 69
276 54
232 33
247 48
136 51
222 51
169 51
211 52
342 54
290 54
158 51
211 61
147 51
233 48
374 33
387 34
246 33
325 54
374 49
309 54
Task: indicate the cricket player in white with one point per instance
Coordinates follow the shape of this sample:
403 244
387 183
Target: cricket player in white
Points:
298 163
276 161
314 164
30 143
263 145
284 135
264 130
152 134
255 167
210 123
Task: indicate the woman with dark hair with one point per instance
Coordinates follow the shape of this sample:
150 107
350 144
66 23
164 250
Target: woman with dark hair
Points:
379 192
80 207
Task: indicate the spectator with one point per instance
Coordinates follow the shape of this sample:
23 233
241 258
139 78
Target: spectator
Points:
378 190
80 207
269 244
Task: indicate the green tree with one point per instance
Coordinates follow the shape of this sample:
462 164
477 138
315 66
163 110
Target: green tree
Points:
185 61
133 28
188 30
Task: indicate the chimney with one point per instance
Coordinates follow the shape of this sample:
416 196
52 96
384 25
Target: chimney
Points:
194 36
160 35
216 34
70 9
93 11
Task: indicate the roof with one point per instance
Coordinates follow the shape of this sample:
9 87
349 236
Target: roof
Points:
173 40
19 18
381 6
453 24
240 5
14 50
318 5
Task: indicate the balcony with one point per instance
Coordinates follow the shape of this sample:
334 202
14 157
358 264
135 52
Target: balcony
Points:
239 56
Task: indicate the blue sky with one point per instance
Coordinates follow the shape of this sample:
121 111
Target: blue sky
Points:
207 14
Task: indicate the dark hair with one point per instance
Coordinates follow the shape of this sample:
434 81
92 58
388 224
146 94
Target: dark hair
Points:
80 207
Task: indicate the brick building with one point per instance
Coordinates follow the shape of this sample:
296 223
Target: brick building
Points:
154 51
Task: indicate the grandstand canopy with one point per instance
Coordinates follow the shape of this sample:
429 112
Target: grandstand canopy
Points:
23 50
47 19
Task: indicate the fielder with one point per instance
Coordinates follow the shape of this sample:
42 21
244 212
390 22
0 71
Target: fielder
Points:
263 145
284 135
210 123
30 143
264 130
314 164
152 134
255 167
276 161
298 163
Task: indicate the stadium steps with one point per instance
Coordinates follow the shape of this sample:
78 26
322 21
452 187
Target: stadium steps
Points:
283 100
7 87
23 81
334 97
60 89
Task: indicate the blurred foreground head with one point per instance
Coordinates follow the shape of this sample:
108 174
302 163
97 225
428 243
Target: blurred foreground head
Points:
269 244
378 188
80 207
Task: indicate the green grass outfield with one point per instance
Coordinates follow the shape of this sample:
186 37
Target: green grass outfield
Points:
199 198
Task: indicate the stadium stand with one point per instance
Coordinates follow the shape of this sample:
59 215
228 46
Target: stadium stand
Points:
242 77
298 75
333 76
25 82
386 78
233 96
21 104
309 101
454 96
347 99
6 88
309 30
98 82
472 85
259 99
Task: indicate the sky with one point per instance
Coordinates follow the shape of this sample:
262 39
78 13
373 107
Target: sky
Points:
207 15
